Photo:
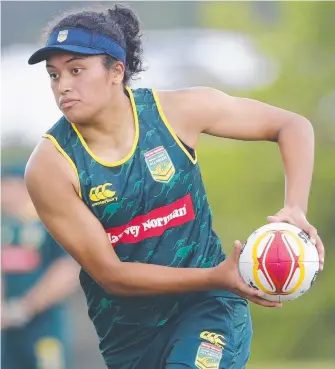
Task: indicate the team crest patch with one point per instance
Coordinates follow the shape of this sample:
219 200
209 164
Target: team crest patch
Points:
208 356
62 35
160 164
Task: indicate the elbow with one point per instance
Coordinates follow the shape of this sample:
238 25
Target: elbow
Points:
116 282
298 126
114 288
302 127
304 124
301 123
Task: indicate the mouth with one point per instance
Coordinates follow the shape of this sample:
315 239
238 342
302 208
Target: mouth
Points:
68 103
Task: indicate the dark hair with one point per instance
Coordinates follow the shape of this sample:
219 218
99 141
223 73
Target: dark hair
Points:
118 22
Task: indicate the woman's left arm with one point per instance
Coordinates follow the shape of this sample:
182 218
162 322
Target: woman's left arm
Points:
205 110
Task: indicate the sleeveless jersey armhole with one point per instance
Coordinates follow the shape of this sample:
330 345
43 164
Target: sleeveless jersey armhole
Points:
66 156
170 129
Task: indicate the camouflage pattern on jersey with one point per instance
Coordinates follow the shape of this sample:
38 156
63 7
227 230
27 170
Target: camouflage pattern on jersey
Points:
154 209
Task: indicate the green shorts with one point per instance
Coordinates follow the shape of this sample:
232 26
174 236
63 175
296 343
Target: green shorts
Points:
211 333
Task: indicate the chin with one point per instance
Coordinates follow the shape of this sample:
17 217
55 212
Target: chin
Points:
76 117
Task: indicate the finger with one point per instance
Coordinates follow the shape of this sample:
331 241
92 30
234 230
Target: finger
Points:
245 290
321 251
235 254
279 219
313 234
265 303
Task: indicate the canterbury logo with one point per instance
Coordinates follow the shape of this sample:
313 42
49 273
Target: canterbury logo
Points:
102 194
215 339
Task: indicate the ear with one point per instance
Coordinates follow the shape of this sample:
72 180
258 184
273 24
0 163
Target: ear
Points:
118 72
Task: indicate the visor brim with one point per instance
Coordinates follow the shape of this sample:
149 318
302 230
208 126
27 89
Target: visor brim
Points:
44 53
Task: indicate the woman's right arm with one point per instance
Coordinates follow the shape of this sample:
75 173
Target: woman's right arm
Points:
53 187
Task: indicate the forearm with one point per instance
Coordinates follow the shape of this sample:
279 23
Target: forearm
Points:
59 282
296 144
148 279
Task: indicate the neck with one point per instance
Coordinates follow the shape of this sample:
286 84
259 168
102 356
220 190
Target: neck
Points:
111 120
110 135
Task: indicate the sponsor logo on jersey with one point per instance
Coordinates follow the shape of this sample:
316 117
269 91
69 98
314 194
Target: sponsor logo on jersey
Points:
153 224
102 194
62 35
160 164
208 356
214 338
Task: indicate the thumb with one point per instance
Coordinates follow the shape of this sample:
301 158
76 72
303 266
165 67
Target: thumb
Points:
235 254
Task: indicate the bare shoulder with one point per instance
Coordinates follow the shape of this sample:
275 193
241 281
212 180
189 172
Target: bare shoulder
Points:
192 99
187 110
46 164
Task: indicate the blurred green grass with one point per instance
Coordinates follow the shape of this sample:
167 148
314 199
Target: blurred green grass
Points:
293 365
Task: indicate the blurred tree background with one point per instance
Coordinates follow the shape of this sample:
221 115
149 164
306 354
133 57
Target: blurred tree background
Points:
246 183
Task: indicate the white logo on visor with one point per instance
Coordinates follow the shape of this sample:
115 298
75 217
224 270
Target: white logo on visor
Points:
62 35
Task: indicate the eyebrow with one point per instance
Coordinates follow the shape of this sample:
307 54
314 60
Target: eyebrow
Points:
68 61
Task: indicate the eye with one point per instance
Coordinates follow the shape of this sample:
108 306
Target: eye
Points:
76 70
53 75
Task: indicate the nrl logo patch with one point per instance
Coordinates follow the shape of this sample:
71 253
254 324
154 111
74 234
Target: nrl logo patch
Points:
160 164
62 35
208 356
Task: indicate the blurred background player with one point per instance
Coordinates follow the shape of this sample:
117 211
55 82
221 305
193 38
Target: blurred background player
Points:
37 277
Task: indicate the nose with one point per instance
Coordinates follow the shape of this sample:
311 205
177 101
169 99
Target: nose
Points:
64 85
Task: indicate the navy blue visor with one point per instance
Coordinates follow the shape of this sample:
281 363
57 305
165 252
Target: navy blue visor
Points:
79 41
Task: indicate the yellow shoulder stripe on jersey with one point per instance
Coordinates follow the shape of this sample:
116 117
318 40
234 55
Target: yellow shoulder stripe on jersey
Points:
168 126
66 156
137 134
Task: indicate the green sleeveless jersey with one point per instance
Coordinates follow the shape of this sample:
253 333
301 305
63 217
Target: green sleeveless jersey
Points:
154 209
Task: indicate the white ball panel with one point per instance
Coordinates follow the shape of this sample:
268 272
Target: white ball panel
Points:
310 253
246 272
246 255
311 270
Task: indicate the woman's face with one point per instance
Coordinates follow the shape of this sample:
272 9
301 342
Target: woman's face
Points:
81 85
